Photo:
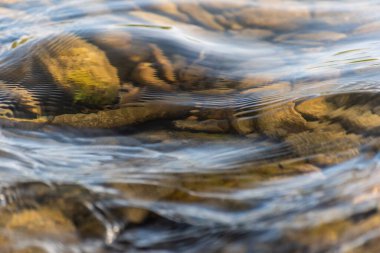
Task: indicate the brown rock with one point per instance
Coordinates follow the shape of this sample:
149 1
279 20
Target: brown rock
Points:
26 102
251 81
300 167
253 34
119 117
220 6
153 18
167 68
43 220
324 148
317 37
268 14
323 237
135 215
315 108
200 15
209 126
277 88
145 192
358 118
279 122
169 8
146 74
27 124
32 249
243 125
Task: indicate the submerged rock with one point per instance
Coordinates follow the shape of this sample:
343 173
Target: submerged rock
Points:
317 38
281 121
209 126
32 249
337 234
358 118
44 220
243 125
316 108
325 148
120 117
200 15
81 69
267 14
17 102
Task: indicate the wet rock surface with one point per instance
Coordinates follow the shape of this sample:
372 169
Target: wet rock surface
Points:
179 126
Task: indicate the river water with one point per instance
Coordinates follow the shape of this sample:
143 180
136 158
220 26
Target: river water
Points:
189 126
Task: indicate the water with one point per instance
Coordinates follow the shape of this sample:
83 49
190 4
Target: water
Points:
189 126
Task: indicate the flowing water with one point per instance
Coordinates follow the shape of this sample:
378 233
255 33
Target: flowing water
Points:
189 126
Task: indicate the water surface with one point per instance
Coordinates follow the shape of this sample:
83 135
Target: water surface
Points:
189 126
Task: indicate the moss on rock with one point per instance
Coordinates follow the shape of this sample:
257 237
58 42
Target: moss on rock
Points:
80 68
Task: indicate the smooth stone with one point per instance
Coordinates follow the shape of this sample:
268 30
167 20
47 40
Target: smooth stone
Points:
243 126
253 34
142 191
265 15
135 215
252 81
120 117
32 249
80 68
358 118
209 126
43 220
315 108
322 237
281 121
324 147
169 8
317 37
200 15
276 88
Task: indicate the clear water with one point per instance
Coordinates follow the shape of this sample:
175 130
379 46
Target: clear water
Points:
304 179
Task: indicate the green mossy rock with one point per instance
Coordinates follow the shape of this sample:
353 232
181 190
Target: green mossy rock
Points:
80 68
